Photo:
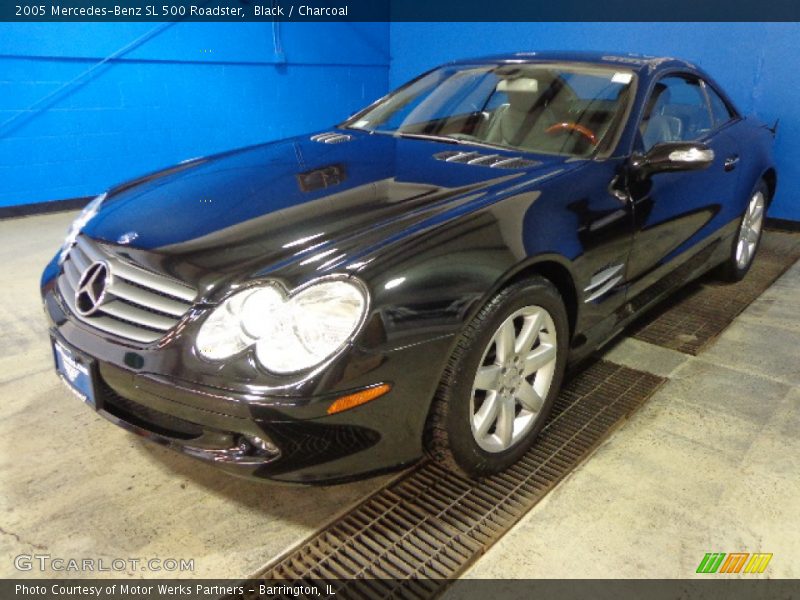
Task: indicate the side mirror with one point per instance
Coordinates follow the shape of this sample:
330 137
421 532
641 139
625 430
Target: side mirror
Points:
673 156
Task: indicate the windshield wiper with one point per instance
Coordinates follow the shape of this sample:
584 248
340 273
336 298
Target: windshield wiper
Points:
427 136
455 140
470 141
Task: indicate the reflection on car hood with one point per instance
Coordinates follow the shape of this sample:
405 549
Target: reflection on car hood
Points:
300 200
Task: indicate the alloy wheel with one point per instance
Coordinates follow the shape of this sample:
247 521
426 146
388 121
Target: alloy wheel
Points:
513 379
750 230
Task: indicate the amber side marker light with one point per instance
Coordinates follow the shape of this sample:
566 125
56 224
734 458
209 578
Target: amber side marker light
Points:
359 398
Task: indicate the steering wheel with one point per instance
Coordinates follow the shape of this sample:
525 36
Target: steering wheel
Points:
569 126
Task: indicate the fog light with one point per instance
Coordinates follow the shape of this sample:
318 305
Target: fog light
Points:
262 444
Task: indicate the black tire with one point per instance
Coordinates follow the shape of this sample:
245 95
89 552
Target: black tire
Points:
731 270
449 437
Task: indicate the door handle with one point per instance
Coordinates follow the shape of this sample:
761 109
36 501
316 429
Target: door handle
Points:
731 162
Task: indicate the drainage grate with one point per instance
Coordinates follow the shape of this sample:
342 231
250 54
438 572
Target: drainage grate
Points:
429 525
694 317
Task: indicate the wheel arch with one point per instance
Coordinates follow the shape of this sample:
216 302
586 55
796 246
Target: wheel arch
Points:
435 436
555 269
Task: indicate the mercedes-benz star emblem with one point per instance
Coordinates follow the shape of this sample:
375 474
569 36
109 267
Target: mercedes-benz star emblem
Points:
91 289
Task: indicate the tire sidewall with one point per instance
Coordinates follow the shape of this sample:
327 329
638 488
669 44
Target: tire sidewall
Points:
466 451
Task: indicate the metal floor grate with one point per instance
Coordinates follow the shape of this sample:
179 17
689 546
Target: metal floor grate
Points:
693 318
429 525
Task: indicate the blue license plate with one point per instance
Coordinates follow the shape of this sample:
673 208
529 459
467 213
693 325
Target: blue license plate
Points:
76 371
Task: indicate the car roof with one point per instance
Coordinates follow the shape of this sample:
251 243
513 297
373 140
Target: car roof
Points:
635 62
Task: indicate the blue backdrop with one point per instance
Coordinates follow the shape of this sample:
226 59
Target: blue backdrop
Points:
71 124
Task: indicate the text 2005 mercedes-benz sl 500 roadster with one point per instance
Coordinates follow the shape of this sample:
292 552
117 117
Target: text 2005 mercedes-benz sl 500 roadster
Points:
414 280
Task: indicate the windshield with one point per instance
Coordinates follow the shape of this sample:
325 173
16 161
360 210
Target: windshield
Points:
543 108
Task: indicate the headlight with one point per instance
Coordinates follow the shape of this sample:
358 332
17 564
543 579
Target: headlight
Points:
89 211
289 333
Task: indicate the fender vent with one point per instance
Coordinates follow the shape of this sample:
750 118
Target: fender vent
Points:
331 138
495 161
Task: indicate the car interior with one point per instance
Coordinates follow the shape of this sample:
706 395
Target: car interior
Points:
536 111
545 114
546 110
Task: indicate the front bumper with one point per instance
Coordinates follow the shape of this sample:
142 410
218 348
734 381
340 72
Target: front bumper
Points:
146 391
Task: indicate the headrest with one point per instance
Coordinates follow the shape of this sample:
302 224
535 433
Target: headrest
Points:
518 85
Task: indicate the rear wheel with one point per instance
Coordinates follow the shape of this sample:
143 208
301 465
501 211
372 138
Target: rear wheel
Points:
501 381
748 237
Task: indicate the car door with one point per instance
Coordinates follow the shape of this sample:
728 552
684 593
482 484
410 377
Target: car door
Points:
676 213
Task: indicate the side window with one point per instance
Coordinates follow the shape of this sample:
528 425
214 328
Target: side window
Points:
676 111
722 114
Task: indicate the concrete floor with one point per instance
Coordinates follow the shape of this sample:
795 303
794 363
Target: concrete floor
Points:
709 464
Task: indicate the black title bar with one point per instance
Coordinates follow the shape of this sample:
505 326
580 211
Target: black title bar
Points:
398 10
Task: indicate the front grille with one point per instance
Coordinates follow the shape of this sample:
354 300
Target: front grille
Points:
139 305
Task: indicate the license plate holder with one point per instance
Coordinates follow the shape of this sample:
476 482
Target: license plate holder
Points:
77 371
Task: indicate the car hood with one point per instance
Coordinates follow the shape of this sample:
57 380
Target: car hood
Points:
307 204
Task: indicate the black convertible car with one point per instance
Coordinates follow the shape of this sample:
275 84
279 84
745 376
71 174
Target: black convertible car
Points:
413 280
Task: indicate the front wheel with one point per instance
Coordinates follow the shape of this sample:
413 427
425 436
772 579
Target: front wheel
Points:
745 244
501 381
